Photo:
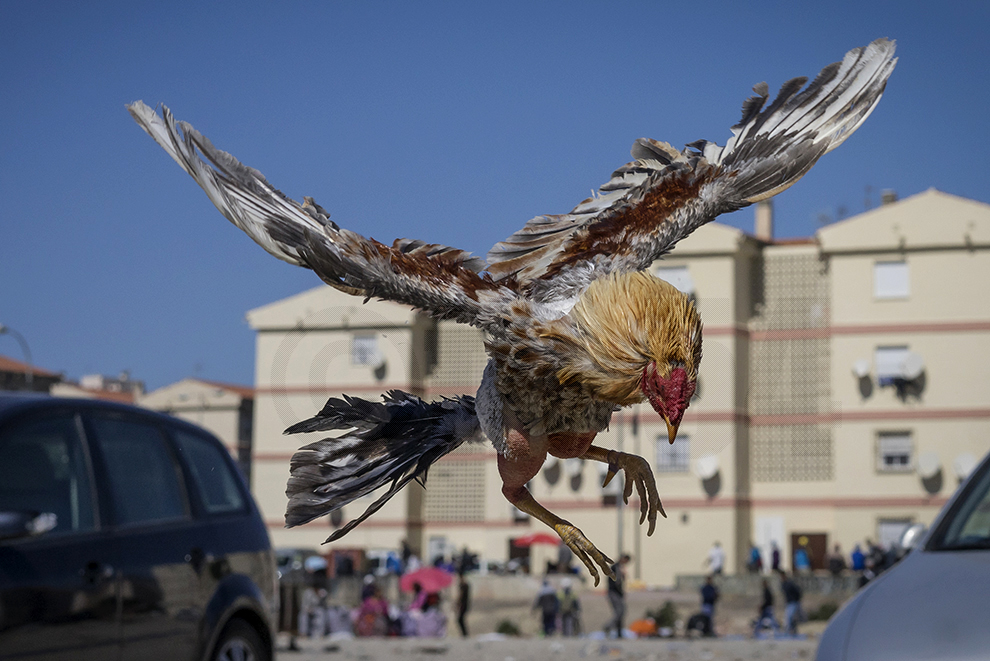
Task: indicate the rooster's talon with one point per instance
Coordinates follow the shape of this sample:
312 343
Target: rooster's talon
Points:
586 552
638 474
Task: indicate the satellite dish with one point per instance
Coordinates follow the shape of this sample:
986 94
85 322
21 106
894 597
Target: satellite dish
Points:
861 368
707 467
964 465
928 465
912 366
574 467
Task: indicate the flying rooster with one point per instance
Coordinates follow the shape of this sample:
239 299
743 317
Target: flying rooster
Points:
575 327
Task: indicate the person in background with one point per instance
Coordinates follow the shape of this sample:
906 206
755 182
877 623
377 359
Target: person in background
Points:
549 606
792 597
774 556
858 559
765 619
368 587
716 558
617 596
836 562
570 610
463 603
802 561
432 623
755 564
372 617
709 595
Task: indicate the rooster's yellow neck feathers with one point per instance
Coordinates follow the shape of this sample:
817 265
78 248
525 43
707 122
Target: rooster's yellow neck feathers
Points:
623 322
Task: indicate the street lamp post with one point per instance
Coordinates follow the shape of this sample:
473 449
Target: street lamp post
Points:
29 373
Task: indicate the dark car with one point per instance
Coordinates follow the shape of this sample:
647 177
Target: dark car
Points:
126 534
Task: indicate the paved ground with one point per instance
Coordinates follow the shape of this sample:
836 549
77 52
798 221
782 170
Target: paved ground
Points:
536 649
732 623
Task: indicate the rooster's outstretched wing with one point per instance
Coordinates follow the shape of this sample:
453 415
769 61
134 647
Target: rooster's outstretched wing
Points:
443 281
655 201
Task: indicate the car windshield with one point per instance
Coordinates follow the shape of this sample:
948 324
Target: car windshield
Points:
968 524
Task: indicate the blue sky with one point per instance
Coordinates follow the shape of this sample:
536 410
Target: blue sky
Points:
450 122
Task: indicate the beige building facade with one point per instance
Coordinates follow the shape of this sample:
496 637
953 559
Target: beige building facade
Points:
841 396
225 409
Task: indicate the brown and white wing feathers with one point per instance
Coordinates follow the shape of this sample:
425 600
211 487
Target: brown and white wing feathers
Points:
650 204
445 282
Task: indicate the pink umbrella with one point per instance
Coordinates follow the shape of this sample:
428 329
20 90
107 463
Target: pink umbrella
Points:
431 579
536 538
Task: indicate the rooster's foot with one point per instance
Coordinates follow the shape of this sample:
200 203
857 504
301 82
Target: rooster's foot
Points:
638 473
587 552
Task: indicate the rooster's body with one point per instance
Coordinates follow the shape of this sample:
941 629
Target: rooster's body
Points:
575 328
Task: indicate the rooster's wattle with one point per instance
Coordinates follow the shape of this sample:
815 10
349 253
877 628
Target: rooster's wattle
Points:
574 325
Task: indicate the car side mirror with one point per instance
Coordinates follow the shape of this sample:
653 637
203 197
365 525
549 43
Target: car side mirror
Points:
23 524
911 536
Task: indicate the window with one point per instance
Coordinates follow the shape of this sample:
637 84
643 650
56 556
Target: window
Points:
144 478
967 525
679 276
894 452
889 362
890 280
216 483
674 458
43 469
364 350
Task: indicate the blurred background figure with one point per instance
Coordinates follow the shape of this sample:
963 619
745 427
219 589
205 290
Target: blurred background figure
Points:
709 595
858 559
570 610
463 603
755 564
549 606
617 597
836 562
793 614
372 618
765 619
716 558
774 557
433 621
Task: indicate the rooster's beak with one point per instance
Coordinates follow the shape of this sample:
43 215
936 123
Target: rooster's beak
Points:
671 428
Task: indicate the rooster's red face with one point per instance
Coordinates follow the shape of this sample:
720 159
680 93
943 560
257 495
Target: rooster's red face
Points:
669 396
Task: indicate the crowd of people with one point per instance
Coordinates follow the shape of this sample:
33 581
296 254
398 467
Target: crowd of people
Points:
417 612
559 610
865 564
422 616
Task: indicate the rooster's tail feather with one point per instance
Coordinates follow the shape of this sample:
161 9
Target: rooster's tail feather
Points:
392 441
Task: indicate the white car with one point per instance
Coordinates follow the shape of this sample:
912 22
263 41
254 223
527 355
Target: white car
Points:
933 603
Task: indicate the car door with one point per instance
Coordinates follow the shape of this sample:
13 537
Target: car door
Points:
58 589
160 544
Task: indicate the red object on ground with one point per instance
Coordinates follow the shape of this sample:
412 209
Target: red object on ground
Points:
536 538
431 579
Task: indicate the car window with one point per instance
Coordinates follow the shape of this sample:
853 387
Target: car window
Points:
43 468
211 473
144 478
968 525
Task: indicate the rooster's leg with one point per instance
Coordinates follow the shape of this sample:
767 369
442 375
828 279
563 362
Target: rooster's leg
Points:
576 540
638 472
515 474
